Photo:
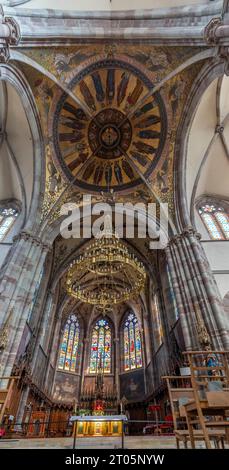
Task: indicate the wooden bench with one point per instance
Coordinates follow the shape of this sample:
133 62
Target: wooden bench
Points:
186 392
218 436
209 408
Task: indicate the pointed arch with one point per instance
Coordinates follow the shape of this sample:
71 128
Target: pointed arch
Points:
31 206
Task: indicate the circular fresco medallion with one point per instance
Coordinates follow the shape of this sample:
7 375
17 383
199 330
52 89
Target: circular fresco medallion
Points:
114 128
109 134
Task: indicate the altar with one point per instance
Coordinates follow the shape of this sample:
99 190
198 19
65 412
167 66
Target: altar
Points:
97 426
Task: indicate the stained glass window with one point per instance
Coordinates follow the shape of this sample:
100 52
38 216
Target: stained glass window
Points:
223 220
69 348
8 216
216 221
100 356
132 343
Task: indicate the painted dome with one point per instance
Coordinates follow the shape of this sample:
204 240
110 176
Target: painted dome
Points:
113 131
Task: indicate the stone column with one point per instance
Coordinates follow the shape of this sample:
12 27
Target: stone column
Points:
17 286
117 367
84 362
53 352
43 328
22 404
201 311
46 326
144 362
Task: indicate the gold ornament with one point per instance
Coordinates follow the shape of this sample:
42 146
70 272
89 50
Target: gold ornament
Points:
107 273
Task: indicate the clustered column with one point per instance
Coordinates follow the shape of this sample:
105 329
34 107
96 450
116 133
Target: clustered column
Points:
117 364
17 287
85 360
200 307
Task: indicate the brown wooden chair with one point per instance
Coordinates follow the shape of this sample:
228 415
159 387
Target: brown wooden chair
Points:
209 408
181 393
5 393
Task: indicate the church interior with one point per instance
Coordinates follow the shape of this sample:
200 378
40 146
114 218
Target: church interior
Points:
117 104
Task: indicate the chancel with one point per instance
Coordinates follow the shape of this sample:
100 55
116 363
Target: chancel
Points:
114 220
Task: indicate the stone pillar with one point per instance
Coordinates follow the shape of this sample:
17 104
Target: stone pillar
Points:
22 404
144 361
84 362
53 352
200 307
117 365
17 286
41 330
46 326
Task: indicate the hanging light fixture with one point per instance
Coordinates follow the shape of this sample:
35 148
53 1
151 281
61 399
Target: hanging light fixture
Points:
106 273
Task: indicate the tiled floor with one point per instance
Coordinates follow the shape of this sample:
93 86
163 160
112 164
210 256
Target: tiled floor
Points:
131 442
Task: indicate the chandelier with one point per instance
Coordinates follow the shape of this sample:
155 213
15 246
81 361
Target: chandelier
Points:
106 273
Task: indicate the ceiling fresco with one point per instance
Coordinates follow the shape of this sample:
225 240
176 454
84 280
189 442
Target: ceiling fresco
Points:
112 133
101 148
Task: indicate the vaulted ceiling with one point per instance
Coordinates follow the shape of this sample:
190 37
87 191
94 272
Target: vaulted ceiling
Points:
208 148
16 153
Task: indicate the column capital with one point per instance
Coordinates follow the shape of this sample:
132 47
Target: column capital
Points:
189 230
216 33
28 236
9 35
210 34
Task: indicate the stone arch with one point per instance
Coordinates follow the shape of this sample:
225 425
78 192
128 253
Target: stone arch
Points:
17 80
207 75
